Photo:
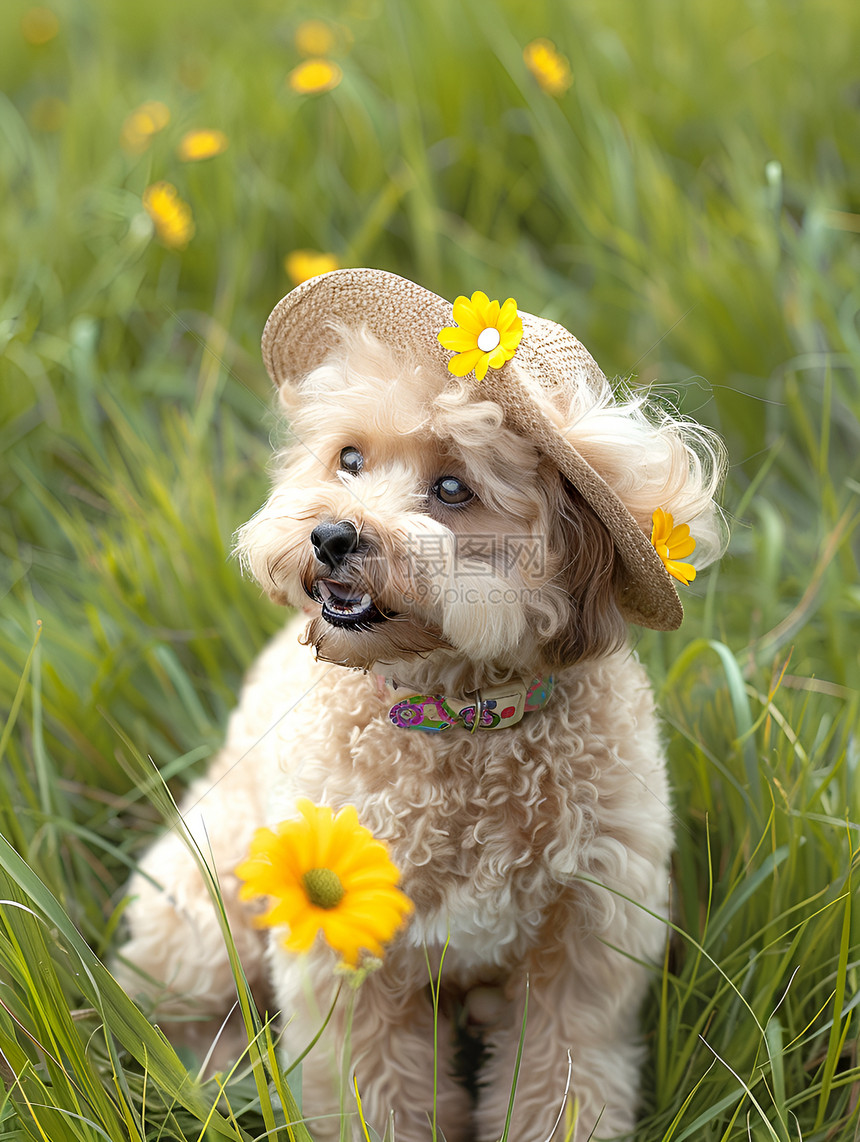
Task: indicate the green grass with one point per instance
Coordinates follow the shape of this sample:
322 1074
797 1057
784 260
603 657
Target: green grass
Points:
690 208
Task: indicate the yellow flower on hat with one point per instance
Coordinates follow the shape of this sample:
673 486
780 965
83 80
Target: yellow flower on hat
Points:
326 873
673 543
203 143
486 334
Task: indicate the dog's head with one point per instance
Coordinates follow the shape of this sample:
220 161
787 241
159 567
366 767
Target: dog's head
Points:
414 521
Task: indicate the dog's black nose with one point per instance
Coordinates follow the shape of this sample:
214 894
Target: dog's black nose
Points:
332 542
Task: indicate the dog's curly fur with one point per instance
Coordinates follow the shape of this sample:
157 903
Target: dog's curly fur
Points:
539 852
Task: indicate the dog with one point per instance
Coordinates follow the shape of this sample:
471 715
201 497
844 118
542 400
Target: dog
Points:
467 549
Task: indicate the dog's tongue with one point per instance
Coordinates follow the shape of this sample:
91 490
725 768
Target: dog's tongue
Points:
341 599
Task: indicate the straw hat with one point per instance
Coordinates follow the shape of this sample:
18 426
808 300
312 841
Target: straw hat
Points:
302 331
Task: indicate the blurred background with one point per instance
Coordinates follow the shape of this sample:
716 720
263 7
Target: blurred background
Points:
677 183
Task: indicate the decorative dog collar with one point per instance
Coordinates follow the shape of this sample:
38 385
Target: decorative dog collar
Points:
496 707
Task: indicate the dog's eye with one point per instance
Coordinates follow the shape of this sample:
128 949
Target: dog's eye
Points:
450 490
351 460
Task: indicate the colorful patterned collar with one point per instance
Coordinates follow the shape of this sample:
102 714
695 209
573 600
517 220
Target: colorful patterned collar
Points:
497 706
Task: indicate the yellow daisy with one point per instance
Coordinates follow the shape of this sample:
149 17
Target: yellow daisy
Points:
549 67
314 38
142 124
171 215
326 873
201 144
673 543
314 75
486 335
304 264
48 113
39 25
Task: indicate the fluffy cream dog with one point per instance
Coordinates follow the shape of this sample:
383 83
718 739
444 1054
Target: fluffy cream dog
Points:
466 550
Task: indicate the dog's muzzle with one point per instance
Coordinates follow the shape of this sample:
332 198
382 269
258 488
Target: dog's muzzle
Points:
345 603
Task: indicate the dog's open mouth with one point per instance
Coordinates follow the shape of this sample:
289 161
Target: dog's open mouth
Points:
342 606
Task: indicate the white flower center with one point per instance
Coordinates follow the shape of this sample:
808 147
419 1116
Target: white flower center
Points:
488 340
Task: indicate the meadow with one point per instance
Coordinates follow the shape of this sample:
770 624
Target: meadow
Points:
679 184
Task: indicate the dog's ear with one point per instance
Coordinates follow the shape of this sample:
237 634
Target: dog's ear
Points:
589 573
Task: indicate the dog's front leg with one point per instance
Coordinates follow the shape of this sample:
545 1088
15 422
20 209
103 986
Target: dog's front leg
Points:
582 1024
175 957
602 1066
388 1048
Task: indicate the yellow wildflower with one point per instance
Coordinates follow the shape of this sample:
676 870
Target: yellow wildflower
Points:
39 25
314 38
486 334
201 144
144 122
314 75
673 543
304 264
326 873
48 113
549 67
172 217
193 71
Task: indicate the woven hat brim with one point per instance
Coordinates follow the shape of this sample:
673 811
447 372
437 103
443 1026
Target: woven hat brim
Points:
302 331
